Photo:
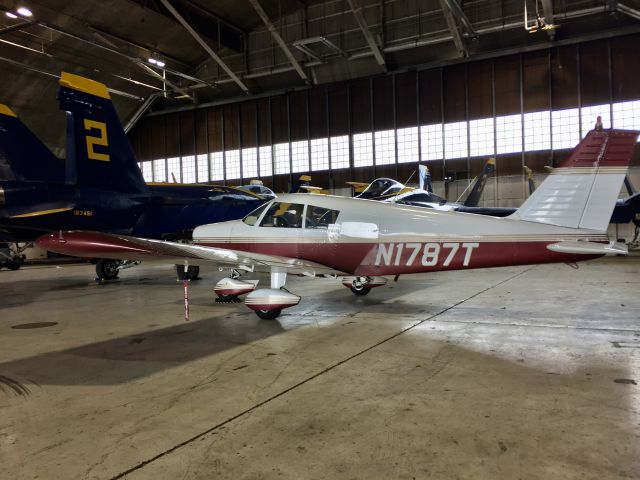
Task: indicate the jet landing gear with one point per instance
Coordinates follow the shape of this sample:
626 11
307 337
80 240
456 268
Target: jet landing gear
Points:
361 286
108 269
191 274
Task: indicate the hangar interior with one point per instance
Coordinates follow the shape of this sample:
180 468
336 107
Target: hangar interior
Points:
516 372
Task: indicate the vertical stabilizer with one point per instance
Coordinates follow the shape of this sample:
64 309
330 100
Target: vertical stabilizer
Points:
478 186
582 191
98 151
22 155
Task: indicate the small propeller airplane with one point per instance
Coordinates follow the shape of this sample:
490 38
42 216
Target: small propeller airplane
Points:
99 186
361 242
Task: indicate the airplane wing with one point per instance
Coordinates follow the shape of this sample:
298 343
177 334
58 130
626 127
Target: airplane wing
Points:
123 247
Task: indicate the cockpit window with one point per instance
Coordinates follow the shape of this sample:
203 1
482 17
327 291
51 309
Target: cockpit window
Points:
318 217
282 214
253 217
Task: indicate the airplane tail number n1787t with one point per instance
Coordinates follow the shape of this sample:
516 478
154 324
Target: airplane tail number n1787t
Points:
362 241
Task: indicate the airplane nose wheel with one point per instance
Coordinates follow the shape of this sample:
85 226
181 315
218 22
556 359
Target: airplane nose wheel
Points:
360 290
359 287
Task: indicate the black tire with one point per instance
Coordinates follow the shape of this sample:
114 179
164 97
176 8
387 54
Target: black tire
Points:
191 274
360 292
14 265
107 268
269 314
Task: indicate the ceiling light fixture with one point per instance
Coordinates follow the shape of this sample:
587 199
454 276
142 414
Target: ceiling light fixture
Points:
153 61
24 12
10 14
160 63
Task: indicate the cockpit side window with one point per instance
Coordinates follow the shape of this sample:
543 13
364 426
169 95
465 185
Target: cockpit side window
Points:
253 217
283 215
319 217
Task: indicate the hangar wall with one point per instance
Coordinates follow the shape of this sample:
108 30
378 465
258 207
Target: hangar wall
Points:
526 109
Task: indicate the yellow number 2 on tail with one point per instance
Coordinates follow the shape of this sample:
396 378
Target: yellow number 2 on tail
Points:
101 140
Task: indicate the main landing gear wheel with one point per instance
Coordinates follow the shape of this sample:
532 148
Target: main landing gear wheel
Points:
191 274
107 269
14 265
268 314
360 290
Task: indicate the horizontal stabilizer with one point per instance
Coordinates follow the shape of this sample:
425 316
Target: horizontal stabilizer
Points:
589 248
582 191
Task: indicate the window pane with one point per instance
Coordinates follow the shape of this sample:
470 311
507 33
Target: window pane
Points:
232 160
590 116
281 158
266 161
565 127
481 137
217 166
385 147
203 168
537 135
431 138
173 174
509 134
363 149
408 145
189 169
340 152
159 170
249 162
318 217
455 140
627 115
300 156
320 154
147 171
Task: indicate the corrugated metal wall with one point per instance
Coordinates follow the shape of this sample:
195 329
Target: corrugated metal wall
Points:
564 77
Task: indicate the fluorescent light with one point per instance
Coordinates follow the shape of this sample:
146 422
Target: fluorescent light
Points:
160 63
25 12
153 61
10 14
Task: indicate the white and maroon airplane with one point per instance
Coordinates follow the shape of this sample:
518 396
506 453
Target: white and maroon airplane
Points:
362 241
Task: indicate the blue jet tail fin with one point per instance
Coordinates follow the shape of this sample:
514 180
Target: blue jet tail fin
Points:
481 180
22 155
98 151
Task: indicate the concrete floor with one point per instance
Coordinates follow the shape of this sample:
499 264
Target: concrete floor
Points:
518 373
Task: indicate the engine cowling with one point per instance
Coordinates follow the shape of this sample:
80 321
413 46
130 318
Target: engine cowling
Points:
271 299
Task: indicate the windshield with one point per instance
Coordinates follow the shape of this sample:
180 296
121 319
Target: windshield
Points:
252 217
380 186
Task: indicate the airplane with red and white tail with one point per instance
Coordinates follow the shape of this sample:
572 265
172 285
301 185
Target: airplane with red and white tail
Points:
361 242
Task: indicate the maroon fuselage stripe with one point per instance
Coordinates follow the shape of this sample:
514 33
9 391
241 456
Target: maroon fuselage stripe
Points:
360 258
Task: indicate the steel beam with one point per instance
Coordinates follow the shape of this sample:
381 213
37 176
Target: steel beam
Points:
375 49
115 51
142 109
631 12
547 11
457 11
453 29
204 45
276 36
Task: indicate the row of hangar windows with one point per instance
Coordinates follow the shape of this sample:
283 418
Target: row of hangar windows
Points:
535 131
